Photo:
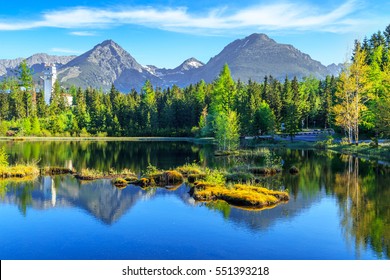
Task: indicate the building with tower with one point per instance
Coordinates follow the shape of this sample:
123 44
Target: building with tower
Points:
49 78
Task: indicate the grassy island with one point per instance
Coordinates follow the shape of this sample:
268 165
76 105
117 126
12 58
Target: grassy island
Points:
19 171
239 195
16 171
210 185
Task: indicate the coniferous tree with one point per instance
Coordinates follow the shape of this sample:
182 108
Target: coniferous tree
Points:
292 118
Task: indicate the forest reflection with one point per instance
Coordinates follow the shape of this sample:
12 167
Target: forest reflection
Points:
364 207
359 186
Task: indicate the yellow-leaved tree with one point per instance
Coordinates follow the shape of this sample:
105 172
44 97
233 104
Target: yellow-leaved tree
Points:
352 94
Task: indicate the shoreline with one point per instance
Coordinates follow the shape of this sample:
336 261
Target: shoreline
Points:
363 151
92 138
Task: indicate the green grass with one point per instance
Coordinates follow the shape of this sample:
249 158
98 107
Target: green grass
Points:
93 174
56 170
19 171
382 152
239 195
188 169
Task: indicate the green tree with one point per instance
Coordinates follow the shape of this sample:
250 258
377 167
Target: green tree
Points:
26 84
148 108
264 120
292 116
223 95
80 110
227 131
35 126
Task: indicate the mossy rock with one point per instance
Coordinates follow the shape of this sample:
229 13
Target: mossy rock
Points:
143 182
84 177
188 169
293 170
157 178
119 182
172 177
56 170
192 178
131 179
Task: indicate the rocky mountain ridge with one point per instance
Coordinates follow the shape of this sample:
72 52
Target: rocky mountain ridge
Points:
107 63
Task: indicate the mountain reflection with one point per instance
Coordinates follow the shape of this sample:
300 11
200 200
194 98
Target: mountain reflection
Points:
359 187
108 204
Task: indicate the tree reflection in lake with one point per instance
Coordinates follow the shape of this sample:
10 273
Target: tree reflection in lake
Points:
364 206
358 189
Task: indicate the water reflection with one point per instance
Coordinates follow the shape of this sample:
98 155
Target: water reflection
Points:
359 187
99 198
103 155
364 207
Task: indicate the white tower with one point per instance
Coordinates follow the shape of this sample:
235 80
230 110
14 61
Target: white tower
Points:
49 78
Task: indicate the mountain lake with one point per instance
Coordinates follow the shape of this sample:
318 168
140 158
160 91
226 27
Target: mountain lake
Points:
339 207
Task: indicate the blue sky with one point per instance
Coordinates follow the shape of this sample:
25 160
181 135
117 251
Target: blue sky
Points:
166 32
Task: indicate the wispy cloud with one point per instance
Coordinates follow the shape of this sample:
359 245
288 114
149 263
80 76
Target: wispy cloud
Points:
268 17
66 51
83 33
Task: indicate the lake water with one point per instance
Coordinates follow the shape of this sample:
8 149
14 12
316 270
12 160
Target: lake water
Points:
339 208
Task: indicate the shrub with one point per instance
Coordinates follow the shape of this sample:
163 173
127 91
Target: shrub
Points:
215 176
151 170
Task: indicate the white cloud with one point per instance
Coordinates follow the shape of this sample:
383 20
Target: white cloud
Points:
267 17
62 50
83 33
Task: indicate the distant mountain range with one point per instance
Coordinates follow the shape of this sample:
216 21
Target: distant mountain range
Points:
107 63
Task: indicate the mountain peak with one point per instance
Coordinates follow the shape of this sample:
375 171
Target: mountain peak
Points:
189 64
107 43
258 38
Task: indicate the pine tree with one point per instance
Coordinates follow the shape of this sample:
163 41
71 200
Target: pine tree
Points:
224 92
292 116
